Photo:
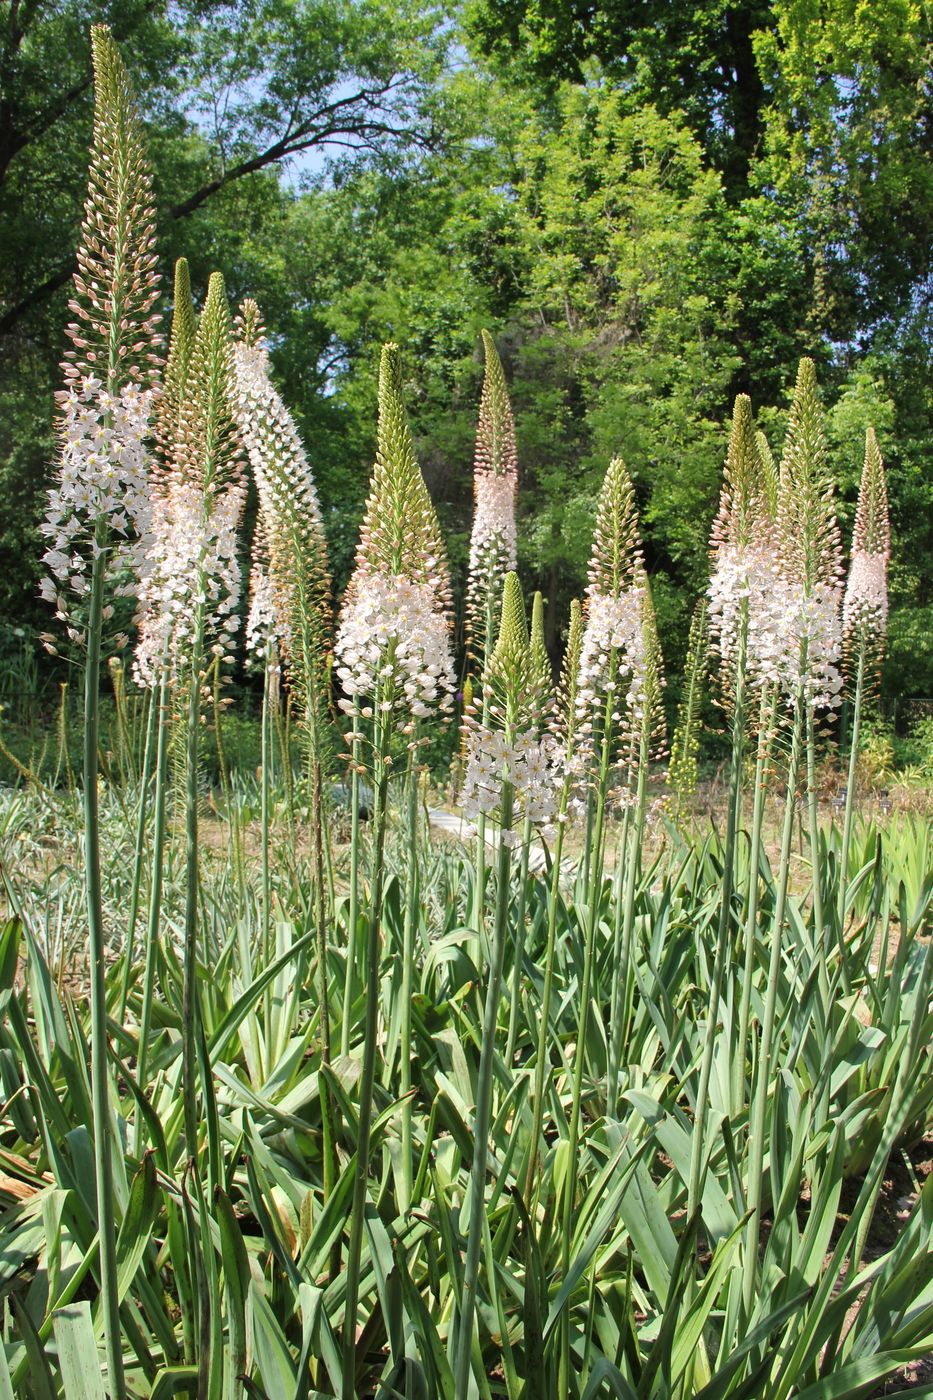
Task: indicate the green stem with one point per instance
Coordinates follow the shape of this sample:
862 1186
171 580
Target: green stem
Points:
368 1071
698 1143
756 1137
594 887
479 888
189 1004
100 1079
138 858
354 900
318 880
850 790
408 959
622 968
542 1061
484 1101
616 997
767 718
821 930
155 895
267 953
519 944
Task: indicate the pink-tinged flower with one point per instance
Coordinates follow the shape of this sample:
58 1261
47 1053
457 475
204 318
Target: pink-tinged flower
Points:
493 542
190 588
746 564
99 500
393 640
795 636
743 584
611 673
865 607
795 641
611 655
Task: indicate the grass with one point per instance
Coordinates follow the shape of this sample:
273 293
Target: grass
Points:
651 1300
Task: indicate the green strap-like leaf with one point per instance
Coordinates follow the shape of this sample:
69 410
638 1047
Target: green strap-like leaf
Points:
78 1356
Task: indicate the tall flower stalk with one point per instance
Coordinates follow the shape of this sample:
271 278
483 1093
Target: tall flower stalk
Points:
742 566
795 645
98 513
192 593
565 723
538 708
294 581
395 666
641 737
683 770
611 669
503 765
812 566
151 665
493 546
763 581
864 617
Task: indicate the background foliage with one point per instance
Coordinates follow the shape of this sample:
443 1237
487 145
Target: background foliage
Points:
649 216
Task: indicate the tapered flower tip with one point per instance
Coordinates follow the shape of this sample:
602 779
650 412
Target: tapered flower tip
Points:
249 324
394 441
805 447
564 723
184 322
513 625
575 625
494 375
537 621
105 56
616 552
180 345
872 526
182 283
806 376
390 371
495 442
742 501
770 479
540 662
215 303
467 695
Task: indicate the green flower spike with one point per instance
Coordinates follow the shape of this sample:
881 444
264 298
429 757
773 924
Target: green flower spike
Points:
511 674
174 381
809 534
400 532
616 553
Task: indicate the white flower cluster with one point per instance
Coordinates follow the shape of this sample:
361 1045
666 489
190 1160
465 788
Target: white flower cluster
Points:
271 439
103 475
865 608
193 570
795 639
742 575
531 765
393 639
265 624
783 619
493 542
613 624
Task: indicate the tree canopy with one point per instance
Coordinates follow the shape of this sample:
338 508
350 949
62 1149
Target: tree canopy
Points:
651 207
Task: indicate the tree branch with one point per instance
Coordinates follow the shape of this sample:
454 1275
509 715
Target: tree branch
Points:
329 124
